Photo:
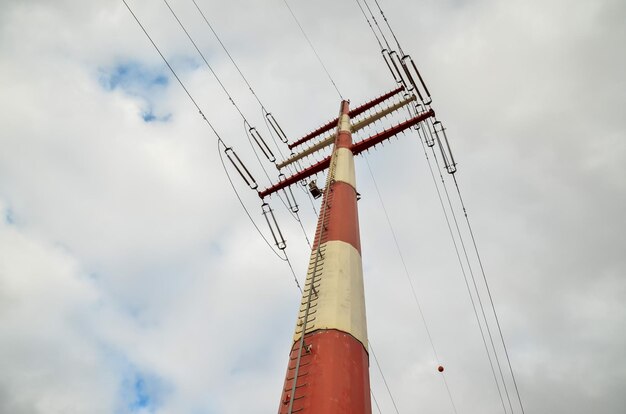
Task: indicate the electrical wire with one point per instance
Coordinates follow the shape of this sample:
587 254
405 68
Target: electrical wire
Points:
471 272
220 141
406 272
482 334
375 401
371 348
482 270
263 108
369 24
389 26
227 53
377 25
230 98
332 81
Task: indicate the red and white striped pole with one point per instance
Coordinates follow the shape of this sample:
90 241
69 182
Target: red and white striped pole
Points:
328 370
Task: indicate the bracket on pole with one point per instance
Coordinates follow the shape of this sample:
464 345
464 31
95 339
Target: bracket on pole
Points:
354 112
356 149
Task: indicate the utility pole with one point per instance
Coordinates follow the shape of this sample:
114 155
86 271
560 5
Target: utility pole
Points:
328 369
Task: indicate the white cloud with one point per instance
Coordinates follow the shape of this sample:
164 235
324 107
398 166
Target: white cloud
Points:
132 281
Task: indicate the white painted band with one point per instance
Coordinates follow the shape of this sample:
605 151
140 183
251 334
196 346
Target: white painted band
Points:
338 300
344 123
344 170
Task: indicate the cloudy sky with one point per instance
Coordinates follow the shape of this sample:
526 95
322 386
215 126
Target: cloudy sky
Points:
131 280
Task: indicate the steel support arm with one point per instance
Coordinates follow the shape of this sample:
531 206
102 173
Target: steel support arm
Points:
368 143
354 112
307 172
356 148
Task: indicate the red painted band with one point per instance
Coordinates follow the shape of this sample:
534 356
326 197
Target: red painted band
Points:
333 377
344 140
342 218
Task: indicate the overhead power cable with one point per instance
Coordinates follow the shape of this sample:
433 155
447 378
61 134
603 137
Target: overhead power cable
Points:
369 24
493 308
456 249
332 81
266 113
382 34
220 141
471 272
389 26
393 401
248 126
375 401
230 98
406 272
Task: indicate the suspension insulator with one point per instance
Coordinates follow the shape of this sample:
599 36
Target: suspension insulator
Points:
277 129
241 168
414 75
397 65
268 213
260 142
419 109
444 146
389 63
409 108
291 200
428 133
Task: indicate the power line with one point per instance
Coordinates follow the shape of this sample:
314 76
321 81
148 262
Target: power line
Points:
266 114
471 272
371 348
377 25
247 125
220 141
389 26
227 53
406 272
369 24
482 269
375 401
482 334
314 50
230 98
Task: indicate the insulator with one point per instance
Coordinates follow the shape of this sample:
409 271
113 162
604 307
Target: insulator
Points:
241 168
389 62
429 133
407 73
397 65
419 109
291 200
268 213
276 127
260 142
408 65
446 152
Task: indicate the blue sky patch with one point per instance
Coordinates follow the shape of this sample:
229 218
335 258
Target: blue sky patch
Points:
132 77
140 81
8 216
141 393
